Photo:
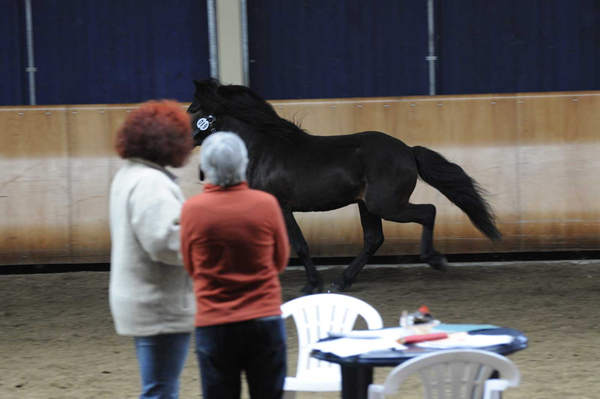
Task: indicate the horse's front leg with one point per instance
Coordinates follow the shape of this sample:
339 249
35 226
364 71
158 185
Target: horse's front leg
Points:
373 238
314 282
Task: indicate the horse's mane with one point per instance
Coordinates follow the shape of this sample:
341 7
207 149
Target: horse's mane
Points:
242 103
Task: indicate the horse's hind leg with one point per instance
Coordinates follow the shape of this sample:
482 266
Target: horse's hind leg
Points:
423 214
298 243
373 238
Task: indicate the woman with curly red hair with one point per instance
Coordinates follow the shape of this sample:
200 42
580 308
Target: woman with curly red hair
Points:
150 294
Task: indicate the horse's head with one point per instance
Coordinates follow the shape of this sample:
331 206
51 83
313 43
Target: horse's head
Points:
202 110
238 109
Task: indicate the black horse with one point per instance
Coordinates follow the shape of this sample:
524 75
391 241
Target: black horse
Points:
308 173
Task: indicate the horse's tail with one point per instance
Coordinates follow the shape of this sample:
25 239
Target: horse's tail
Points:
452 181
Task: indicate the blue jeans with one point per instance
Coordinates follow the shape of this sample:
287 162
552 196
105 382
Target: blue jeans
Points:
257 347
161 359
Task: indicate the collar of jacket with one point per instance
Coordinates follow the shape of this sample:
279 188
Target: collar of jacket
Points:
208 187
153 165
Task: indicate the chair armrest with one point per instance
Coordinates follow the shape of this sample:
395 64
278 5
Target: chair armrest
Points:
493 388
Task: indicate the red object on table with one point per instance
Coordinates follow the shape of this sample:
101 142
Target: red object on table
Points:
411 339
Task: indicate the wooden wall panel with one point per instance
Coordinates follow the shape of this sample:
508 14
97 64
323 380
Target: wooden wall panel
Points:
90 174
535 154
558 165
34 188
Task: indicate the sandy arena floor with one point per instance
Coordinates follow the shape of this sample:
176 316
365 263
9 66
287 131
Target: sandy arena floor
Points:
57 339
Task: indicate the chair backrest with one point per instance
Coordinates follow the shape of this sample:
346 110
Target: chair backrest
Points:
458 373
318 315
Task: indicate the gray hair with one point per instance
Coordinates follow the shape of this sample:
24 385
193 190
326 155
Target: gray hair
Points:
223 159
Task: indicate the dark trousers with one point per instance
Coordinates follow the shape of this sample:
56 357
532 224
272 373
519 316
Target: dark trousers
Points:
257 347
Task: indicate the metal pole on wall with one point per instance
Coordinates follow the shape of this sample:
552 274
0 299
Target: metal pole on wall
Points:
31 69
213 49
431 58
244 28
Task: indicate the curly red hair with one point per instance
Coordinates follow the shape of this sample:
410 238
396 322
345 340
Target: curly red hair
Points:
157 131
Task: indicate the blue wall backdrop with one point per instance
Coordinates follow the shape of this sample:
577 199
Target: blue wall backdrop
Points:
318 49
116 51
113 51
518 46
13 84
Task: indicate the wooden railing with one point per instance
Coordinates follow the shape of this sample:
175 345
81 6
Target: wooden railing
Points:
535 154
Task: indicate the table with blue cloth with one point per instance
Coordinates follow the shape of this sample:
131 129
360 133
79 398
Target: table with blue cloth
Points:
357 370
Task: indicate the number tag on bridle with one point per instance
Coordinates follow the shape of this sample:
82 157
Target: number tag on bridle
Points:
206 123
202 124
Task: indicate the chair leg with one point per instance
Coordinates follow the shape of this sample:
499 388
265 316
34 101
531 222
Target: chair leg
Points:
494 388
376 392
289 395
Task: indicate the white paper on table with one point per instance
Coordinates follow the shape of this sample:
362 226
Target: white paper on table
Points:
383 333
464 340
348 346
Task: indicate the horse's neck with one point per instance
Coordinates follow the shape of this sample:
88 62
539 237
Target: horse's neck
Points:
278 138
257 142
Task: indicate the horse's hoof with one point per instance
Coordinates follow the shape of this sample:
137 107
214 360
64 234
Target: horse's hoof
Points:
334 288
339 285
438 262
310 289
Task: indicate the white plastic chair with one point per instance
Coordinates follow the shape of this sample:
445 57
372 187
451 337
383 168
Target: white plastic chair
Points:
453 374
315 317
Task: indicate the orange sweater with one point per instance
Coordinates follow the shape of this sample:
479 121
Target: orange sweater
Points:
234 245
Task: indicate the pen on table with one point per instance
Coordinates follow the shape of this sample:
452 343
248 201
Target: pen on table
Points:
411 339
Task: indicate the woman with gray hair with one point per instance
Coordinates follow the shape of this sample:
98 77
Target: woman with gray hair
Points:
234 245
223 159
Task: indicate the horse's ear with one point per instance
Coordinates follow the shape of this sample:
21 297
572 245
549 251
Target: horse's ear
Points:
198 85
205 86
